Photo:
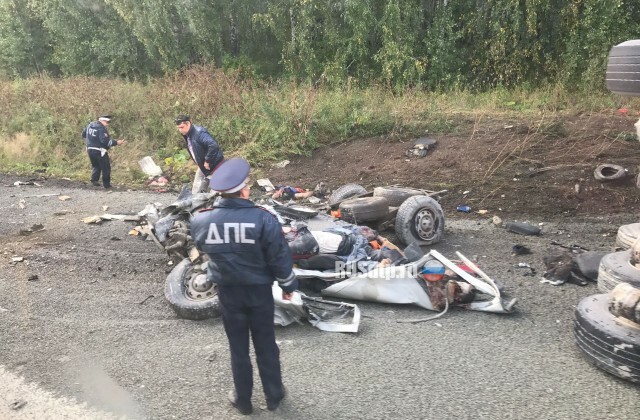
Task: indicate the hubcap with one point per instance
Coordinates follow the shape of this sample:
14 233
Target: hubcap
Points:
199 287
425 224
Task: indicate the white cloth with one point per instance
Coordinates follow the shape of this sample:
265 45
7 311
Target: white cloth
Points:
328 242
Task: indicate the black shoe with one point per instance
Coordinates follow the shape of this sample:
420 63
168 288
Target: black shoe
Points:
246 410
273 404
107 187
96 184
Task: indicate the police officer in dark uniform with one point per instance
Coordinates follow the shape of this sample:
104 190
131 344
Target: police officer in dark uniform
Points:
247 252
98 142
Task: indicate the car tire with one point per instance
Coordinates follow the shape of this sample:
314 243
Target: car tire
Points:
184 300
615 269
344 192
420 219
609 172
395 195
611 343
627 235
522 228
364 209
623 69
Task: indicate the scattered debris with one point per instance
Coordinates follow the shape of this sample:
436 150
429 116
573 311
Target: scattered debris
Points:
99 219
17 259
522 228
64 198
463 208
520 250
22 203
159 181
17 405
265 185
421 147
20 183
104 208
32 277
149 167
496 220
142 302
482 211
281 164
35 228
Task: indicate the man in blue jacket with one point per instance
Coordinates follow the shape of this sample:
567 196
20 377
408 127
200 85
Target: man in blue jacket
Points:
204 151
247 252
98 142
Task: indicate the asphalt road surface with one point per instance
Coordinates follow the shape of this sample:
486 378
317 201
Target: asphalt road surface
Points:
84 326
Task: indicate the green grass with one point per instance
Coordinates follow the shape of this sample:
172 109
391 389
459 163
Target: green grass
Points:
41 119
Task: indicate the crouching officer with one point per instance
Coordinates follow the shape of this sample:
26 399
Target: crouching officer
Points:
247 252
98 142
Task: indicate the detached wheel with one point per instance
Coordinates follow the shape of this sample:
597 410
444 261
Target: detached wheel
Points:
346 191
420 219
190 294
627 235
611 343
614 269
395 195
623 69
364 209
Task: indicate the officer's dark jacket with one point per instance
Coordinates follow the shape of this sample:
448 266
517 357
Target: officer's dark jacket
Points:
245 243
205 148
96 135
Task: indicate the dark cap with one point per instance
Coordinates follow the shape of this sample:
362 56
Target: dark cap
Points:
182 118
230 176
104 118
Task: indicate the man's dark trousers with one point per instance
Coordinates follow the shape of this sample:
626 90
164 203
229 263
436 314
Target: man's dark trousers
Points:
250 309
100 164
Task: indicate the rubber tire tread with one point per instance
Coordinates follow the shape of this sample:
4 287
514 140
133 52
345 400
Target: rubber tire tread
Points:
627 235
175 293
623 69
610 344
406 214
364 209
346 191
395 195
614 269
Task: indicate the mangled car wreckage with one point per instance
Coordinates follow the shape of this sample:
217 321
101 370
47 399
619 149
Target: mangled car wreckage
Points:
334 257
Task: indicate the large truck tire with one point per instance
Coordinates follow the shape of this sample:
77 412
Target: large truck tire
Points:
623 69
615 268
364 209
395 195
611 343
627 235
344 192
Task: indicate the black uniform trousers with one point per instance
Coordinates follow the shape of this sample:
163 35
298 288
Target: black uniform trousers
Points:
249 309
100 164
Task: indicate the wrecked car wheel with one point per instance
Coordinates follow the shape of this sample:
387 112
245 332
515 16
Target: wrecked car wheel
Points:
346 191
615 268
364 209
627 235
395 195
420 219
609 172
611 342
623 69
190 293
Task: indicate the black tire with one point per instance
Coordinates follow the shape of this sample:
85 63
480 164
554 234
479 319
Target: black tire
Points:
395 195
612 343
609 172
420 219
178 294
627 235
344 192
614 269
623 69
364 209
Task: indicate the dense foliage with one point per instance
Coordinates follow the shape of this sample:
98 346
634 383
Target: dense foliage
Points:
434 44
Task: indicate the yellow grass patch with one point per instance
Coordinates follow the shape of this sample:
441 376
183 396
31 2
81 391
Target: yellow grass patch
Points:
19 148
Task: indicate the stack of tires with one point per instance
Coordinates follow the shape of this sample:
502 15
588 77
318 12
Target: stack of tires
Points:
607 325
